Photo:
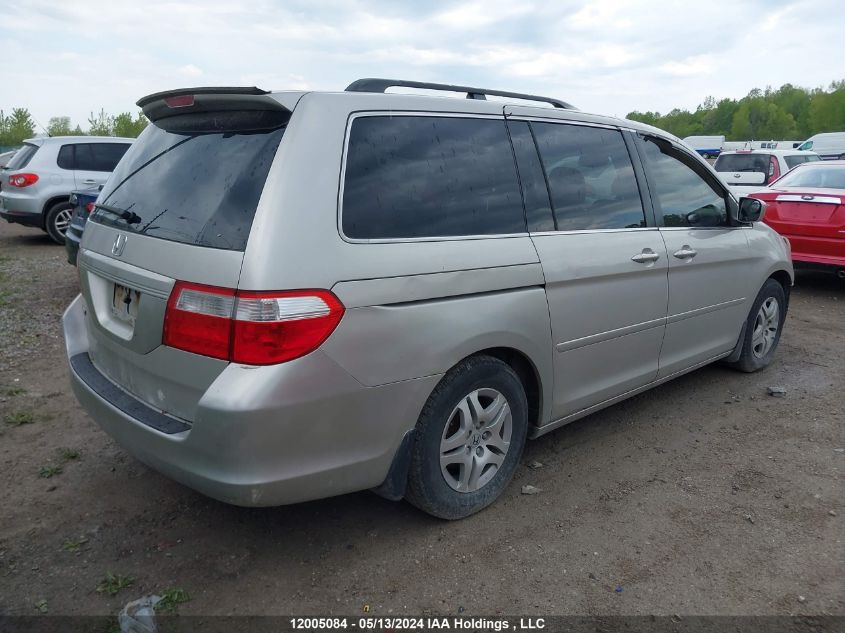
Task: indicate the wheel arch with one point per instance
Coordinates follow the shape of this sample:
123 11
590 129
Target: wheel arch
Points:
51 202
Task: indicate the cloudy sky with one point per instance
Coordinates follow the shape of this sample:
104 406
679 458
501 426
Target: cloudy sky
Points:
608 56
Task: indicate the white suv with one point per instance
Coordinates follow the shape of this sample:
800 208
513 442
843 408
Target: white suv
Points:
745 170
37 182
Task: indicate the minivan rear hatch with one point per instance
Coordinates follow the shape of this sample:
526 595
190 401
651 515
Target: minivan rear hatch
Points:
178 207
744 170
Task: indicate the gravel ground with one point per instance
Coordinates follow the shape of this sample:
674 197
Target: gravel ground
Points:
703 496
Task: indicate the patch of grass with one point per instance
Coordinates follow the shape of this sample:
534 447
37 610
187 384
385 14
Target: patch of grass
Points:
50 470
19 418
113 583
73 546
171 599
41 606
69 454
15 391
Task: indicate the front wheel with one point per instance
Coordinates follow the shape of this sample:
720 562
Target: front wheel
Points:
58 220
705 155
763 328
469 439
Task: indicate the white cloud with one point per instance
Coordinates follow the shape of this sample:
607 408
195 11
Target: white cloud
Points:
602 55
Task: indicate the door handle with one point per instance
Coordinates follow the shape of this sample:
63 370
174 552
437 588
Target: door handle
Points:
90 181
648 256
686 252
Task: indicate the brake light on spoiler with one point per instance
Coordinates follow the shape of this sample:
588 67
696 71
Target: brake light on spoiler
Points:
253 328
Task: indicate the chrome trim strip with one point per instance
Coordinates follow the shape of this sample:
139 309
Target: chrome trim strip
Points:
551 426
592 339
591 231
682 316
797 197
702 228
99 264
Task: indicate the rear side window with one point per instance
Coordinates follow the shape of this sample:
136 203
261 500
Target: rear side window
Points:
91 156
22 157
684 195
591 177
99 156
418 176
198 182
797 159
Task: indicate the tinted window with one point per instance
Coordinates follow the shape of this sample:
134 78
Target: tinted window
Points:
743 163
99 156
684 196
797 159
197 187
590 177
815 176
65 158
538 210
410 176
22 157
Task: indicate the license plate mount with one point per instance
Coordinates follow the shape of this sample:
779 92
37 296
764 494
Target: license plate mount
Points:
125 303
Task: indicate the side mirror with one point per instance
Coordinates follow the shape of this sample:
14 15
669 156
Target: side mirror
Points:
750 210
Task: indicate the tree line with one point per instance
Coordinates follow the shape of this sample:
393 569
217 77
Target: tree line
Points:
19 125
788 113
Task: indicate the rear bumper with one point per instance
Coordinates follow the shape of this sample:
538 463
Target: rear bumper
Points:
822 251
20 208
263 436
22 217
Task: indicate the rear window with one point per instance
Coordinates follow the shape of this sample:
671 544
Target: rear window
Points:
417 176
22 157
198 182
743 163
797 159
815 177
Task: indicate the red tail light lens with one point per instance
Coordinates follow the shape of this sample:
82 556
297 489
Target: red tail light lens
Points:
89 207
23 180
199 319
254 328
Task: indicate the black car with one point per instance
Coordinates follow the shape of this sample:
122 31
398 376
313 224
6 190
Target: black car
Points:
83 204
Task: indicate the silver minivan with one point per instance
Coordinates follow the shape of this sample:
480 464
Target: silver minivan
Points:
293 295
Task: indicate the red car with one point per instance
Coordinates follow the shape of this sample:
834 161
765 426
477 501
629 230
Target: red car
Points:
807 205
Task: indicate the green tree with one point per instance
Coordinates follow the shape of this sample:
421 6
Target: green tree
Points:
101 124
16 127
59 126
125 125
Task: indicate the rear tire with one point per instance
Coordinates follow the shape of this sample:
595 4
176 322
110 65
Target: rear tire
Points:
705 155
763 328
469 439
58 220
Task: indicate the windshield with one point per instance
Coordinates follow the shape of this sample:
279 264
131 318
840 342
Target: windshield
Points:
743 162
22 157
797 159
815 177
195 187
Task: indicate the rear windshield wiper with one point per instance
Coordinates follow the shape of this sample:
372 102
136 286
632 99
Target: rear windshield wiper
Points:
130 216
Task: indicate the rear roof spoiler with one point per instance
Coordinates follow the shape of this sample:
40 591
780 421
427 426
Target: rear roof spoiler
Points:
161 105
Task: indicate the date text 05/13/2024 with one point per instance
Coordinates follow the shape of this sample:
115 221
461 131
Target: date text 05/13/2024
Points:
416 624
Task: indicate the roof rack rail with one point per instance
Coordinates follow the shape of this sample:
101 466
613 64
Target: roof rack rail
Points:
372 84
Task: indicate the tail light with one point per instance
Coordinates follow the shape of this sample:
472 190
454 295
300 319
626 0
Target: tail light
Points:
774 169
23 180
90 207
254 328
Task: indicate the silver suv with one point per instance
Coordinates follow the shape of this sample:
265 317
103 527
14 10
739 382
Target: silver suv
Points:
37 182
293 295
